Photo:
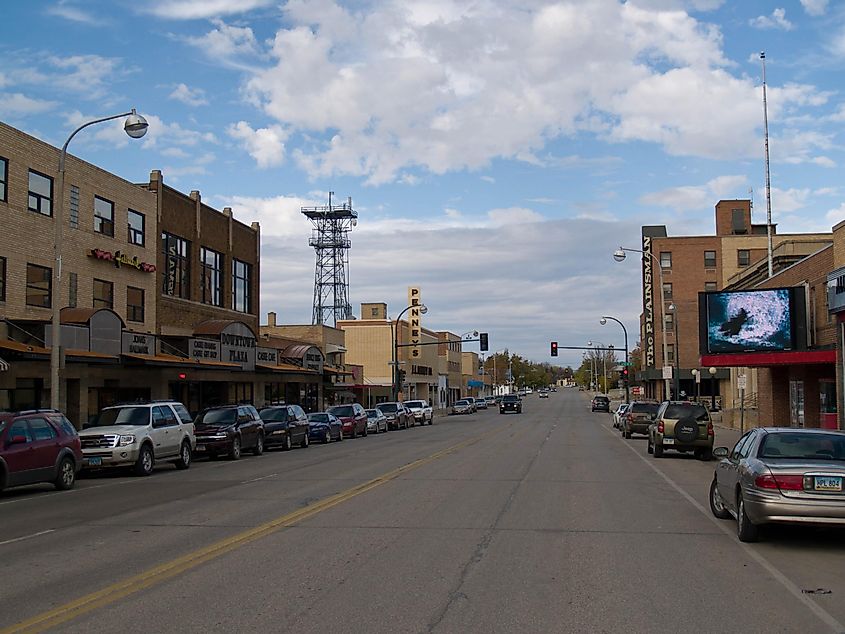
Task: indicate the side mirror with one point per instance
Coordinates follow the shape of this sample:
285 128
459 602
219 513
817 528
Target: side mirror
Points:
17 440
720 452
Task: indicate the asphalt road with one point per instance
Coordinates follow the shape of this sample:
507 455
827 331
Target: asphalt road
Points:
542 522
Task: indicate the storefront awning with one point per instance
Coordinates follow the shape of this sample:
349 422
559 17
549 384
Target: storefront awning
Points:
171 360
766 359
283 368
38 352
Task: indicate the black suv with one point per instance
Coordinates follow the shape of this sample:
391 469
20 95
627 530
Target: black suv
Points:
601 403
510 403
229 429
285 426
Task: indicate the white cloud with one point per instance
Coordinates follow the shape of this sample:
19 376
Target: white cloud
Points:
775 21
68 11
189 96
201 9
265 145
13 105
814 7
228 45
488 179
835 216
698 197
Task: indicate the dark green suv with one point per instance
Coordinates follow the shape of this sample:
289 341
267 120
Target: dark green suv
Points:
682 426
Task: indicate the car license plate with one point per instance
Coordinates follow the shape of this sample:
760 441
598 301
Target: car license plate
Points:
827 483
668 441
95 462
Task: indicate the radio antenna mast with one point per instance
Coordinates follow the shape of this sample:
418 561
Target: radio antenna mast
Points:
768 177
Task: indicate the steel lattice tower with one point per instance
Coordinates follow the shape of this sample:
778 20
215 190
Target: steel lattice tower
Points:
330 239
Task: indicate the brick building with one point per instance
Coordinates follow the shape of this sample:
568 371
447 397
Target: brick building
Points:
836 309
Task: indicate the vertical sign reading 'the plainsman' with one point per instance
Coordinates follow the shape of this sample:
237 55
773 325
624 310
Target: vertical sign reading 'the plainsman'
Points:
414 323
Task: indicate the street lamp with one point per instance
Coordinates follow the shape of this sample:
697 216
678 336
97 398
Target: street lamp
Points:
135 126
423 311
712 373
696 373
677 372
619 255
603 322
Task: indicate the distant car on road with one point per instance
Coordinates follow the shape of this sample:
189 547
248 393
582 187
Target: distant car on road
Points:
480 403
229 429
682 426
354 419
398 416
617 415
543 394
285 426
422 411
462 406
376 421
638 418
780 475
510 403
324 427
38 446
600 403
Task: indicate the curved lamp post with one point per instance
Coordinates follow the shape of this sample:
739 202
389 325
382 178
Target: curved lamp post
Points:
136 127
603 321
423 311
619 255
712 373
676 375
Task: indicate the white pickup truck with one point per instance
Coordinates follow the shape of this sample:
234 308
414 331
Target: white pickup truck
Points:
422 412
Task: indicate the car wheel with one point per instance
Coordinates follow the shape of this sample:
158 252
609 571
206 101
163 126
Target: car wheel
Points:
328 437
364 433
658 450
354 432
146 461
259 445
288 444
66 475
184 456
745 530
717 506
305 441
650 447
340 435
235 449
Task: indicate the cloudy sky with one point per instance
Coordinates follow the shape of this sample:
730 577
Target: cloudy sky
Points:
496 152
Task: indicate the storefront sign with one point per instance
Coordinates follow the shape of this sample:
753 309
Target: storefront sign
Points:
119 258
137 343
267 356
313 360
414 321
205 350
237 345
648 301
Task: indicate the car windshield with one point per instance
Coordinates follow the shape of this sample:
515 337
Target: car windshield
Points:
414 403
677 412
387 407
372 413
274 414
342 410
803 446
318 417
645 408
510 398
123 416
461 402
218 417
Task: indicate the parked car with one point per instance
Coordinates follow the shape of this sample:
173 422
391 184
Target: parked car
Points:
324 427
682 426
480 403
780 475
38 445
638 418
376 421
354 419
600 403
491 401
285 426
617 415
138 435
398 416
471 400
543 394
422 411
510 403
229 430
461 406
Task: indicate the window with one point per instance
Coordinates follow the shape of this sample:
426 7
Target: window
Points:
743 257
39 283
177 273
103 294
40 193
72 282
4 178
666 259
20 429
103 216
669 320
710 259
134 304
136 227
667 291
41 429
710 286
2 279
211 278
374 312
241 274
670 352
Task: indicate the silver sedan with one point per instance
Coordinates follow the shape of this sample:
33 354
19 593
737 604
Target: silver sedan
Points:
780 475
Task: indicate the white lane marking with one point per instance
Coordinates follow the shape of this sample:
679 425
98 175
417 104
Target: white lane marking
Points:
794 590
20 539
272 475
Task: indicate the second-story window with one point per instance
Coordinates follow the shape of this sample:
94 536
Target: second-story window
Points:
39 286
212 276
743 257
103 294
136 227
241 282
2 279
710 259
134 304
4 178
103 216
40 193
709 286
666 259
177 273
667 290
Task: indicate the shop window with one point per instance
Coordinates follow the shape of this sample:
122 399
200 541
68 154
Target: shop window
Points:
241 284
666 259
2 279
40 193
743 257
103 216
4 178
134 304
103 294
176 266
667 291
137 223
211 277
39 285
710 259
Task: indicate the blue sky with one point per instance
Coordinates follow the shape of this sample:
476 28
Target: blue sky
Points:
496 152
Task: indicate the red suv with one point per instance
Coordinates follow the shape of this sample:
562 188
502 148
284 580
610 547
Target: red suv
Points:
353 417
38 445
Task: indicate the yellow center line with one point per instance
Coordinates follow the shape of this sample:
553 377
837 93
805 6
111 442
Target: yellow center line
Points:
158 574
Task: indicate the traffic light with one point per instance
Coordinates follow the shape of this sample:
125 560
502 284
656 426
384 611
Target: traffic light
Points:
554 348
483 342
